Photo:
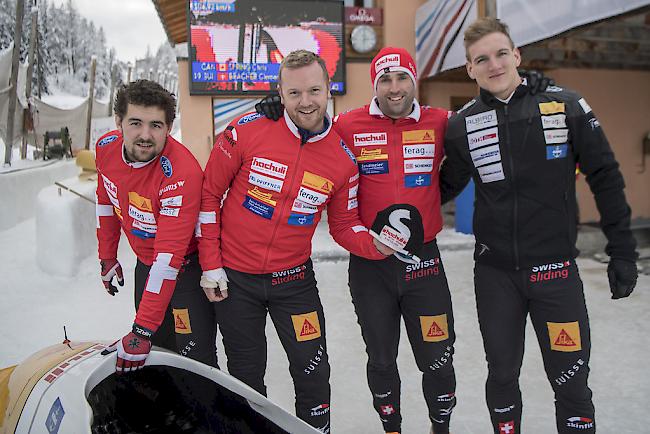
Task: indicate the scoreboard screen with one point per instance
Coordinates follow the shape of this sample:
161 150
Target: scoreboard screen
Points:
236 46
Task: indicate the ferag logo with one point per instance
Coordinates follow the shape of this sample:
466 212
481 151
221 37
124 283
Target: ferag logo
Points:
317 182
564 336
182 324
434 328
140 202
306 326
418 136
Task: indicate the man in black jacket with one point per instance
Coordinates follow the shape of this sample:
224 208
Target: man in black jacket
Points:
522 150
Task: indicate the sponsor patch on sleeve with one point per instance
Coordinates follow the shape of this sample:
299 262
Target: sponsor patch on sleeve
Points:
353 203
170 212
347 151
166 166
585 107
106 140
249 118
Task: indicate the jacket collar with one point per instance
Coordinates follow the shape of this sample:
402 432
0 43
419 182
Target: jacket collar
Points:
137 164
493 101
306 136
374 110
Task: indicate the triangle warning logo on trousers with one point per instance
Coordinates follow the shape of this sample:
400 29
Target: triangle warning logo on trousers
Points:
182 324
564 336
306 326
434 328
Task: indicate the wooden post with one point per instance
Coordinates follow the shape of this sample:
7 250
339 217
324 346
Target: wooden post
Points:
30 73
114 77
20 10
91 97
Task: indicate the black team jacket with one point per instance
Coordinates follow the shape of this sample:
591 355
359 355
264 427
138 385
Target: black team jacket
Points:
522 157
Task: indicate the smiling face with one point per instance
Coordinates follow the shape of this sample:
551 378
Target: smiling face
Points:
144 131
395 94
492 62
304 92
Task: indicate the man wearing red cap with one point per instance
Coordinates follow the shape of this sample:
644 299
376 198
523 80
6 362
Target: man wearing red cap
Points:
398 147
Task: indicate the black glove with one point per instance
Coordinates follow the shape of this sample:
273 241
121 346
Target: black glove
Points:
270 106
622 274
537 81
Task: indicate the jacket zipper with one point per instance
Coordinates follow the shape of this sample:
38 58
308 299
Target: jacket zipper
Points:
515 205
281 209
400 148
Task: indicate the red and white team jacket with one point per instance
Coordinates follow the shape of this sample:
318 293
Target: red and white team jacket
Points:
399 160
157 206
278 188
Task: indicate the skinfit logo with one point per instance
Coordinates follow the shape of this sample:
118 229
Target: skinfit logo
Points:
580 422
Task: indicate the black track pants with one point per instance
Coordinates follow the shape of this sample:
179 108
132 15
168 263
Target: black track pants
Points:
382 293
552 294
189 327
291 299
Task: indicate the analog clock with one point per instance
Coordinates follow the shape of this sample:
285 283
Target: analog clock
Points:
363 39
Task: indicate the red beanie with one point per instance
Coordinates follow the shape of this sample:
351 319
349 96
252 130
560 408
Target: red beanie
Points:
391 59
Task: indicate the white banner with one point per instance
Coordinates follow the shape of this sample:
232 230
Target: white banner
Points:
440 24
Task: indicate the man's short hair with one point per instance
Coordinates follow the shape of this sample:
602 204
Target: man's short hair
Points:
483 27
298 59
145 93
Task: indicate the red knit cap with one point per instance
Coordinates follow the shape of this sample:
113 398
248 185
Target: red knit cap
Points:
391 59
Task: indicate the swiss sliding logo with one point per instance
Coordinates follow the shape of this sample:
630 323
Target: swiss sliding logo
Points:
434 328
306 326
564 336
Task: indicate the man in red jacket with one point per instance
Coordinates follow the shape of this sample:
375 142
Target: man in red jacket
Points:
149 185
280 176
398 146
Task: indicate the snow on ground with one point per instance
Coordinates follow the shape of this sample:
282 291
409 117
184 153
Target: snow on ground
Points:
35 307
64 100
